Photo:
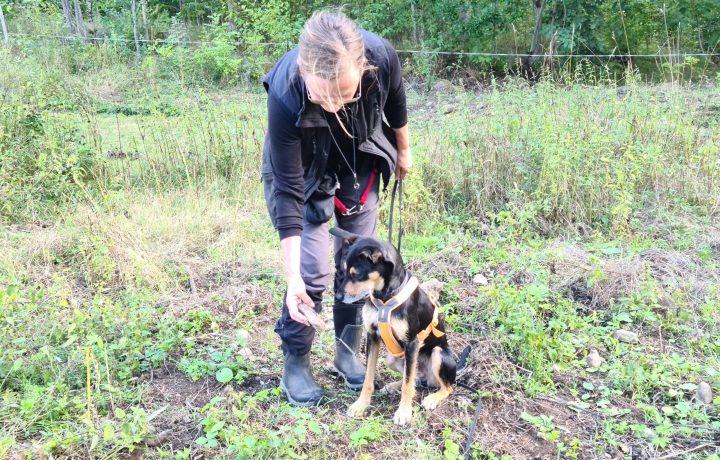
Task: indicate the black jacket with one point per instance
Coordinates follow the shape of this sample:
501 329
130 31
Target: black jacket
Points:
298 142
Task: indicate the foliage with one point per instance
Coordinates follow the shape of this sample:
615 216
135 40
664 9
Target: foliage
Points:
568 27
43 165
536 159
140 241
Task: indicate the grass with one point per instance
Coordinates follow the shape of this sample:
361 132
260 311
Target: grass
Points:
140 277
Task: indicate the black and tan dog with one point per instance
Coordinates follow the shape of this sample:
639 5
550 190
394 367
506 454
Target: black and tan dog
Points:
402 315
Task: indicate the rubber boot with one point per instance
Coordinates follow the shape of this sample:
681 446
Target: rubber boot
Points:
298 383
348 334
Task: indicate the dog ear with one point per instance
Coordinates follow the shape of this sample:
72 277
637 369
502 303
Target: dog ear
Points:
375 255
390 257
344 234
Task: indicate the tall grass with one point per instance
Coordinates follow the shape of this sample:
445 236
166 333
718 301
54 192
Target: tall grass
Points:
155 247
574 156
202 146
555 156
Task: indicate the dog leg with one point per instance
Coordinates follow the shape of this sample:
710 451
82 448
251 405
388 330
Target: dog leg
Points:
358 407
403 415
439 358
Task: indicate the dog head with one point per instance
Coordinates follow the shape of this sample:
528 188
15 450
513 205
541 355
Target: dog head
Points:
370 266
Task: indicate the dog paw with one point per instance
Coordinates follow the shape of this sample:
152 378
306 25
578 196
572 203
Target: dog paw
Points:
430 402
403 416
357 408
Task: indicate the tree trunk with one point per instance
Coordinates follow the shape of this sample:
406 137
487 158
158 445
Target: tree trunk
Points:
539 5
232 25
79 19
4 27
68 15
535 48
146 30
92 14
414 20
133 7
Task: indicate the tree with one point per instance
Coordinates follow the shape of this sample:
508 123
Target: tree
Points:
68 16
133 8
146 30
4 27
232 26
535 47
80 24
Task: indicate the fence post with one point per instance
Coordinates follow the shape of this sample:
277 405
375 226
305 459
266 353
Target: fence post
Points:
4 27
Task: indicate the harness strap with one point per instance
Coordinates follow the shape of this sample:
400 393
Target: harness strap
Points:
385 310
432 327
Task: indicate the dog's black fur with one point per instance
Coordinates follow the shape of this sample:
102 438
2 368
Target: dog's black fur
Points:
375 266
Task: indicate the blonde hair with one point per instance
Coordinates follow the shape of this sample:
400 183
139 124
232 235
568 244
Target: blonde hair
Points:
330 43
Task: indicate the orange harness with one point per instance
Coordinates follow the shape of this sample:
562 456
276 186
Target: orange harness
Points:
385 310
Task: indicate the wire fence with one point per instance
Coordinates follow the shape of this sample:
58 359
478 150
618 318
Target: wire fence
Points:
288 45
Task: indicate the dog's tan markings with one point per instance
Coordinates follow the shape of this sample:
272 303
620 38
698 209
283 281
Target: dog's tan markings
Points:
403 415
375 282
358 407
399 328
369 314
431 401
352 271
375 256
355 289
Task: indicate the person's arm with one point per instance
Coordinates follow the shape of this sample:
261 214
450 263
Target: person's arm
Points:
396 112
296 292
286 162
404 162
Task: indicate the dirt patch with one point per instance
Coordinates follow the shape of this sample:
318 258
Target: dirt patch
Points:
228 288
178 400
172 387
590 281
597 281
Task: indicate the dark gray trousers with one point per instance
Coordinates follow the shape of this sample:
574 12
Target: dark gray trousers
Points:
315 258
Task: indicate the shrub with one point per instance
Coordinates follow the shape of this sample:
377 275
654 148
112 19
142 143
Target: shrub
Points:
43 165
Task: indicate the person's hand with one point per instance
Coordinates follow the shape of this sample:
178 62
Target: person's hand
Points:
404 163
296 294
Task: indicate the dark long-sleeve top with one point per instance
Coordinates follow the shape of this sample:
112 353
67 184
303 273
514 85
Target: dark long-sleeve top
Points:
284 135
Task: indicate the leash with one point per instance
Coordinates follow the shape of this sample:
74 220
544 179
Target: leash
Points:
462 365
471 431
397 187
